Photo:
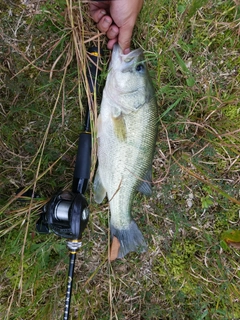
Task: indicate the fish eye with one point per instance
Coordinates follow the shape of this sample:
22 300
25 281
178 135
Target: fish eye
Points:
140 67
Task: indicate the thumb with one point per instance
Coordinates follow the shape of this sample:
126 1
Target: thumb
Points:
124 38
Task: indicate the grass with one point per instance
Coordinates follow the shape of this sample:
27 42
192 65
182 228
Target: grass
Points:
193 53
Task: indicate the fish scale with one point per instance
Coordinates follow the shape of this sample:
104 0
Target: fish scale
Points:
132 170
127 127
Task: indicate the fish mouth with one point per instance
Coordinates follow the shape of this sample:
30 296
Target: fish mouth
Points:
118 58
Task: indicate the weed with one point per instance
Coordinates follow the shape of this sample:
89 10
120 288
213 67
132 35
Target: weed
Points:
192 48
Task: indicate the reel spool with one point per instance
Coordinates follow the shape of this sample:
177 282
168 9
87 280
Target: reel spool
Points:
66 214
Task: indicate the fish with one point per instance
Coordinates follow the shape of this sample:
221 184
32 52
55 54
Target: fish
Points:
126 137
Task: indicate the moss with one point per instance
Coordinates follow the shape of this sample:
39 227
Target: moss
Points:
183 275
225 218
177 264
233 114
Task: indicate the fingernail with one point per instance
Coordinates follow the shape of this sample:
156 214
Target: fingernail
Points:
101 14
106 22
112 32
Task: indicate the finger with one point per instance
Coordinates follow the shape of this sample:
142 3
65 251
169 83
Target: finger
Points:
111 43
124 38
104 24
112 32
96 12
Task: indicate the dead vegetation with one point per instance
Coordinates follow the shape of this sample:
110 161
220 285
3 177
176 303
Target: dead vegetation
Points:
193 53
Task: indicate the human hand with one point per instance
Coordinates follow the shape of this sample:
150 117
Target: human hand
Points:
117 19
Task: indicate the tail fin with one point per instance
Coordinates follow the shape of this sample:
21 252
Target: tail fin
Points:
130 239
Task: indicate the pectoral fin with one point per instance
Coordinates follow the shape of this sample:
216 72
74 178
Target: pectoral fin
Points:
119 127
99 190
145 186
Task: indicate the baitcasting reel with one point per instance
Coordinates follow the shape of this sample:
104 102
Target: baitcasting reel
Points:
67 213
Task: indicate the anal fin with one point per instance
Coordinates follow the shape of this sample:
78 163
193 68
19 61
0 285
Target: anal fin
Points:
145 186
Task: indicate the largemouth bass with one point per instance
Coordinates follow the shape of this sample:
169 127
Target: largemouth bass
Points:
127 128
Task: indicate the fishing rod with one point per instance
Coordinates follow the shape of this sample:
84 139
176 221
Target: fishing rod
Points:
67 213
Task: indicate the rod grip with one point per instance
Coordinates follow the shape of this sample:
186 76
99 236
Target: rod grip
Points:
83 160
83 163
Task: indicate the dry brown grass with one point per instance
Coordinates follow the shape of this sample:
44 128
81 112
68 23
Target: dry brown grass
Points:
186 274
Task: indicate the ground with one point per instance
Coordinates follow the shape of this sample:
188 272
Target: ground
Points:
189 272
